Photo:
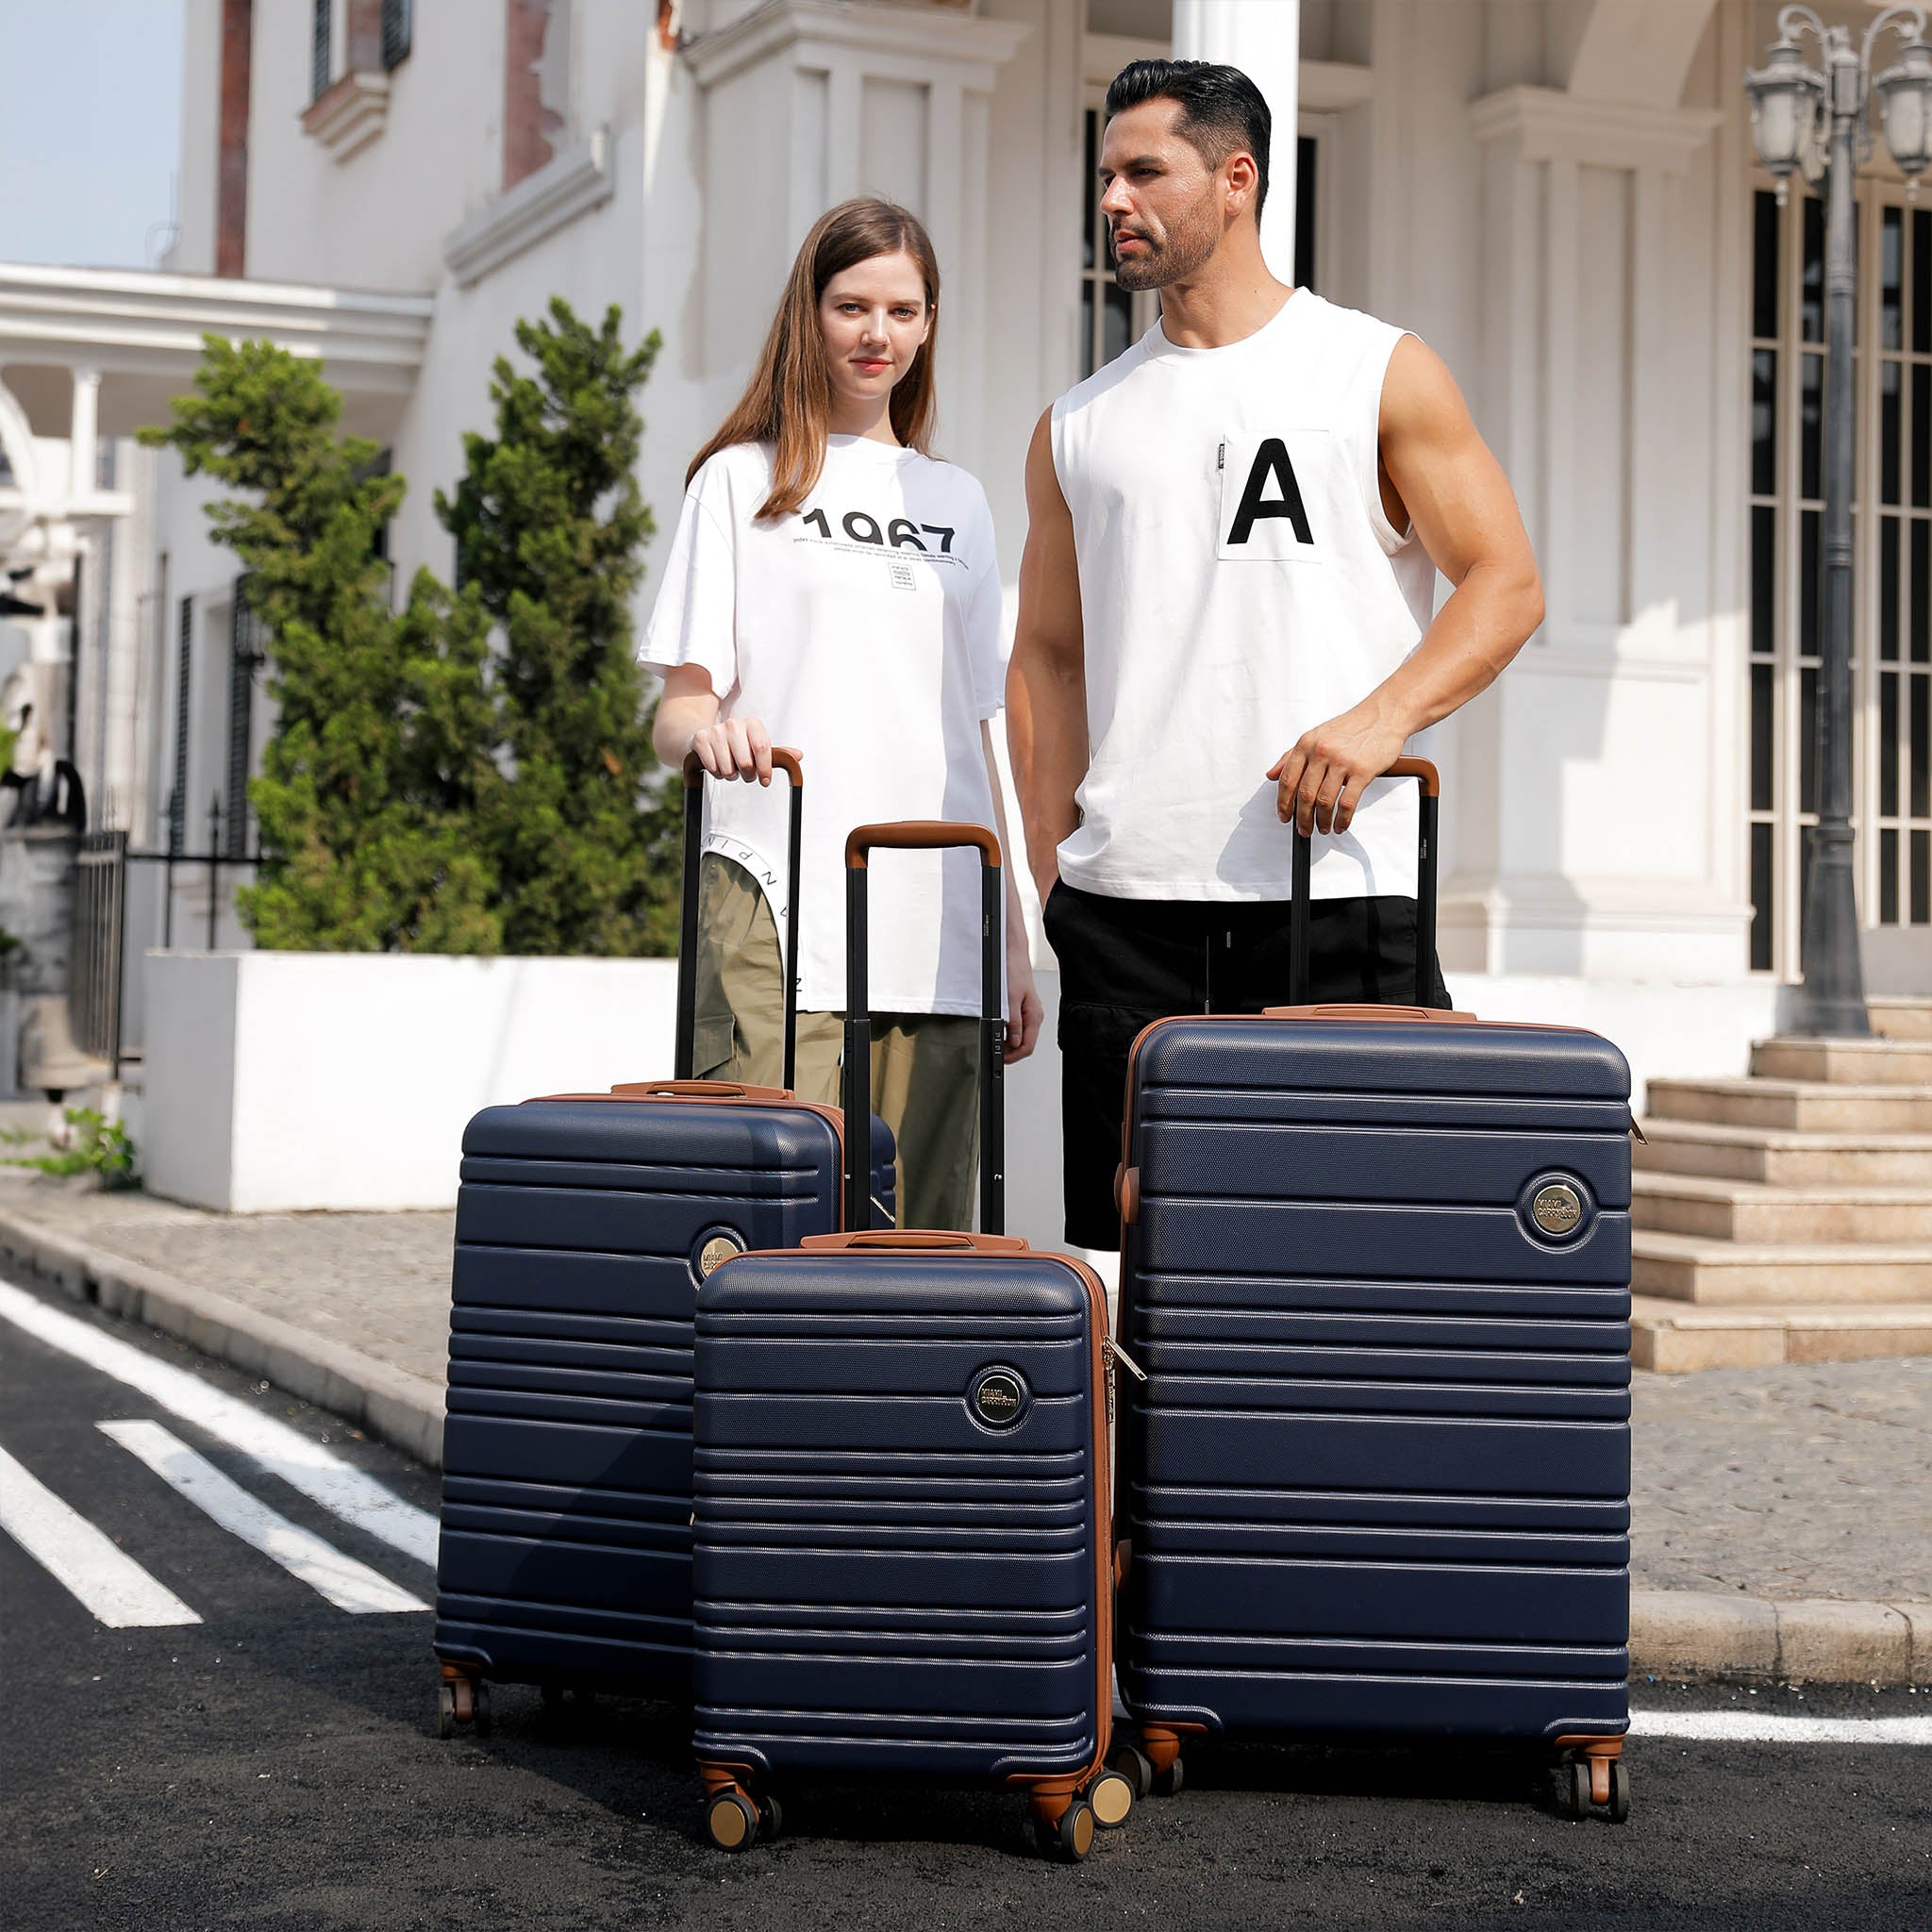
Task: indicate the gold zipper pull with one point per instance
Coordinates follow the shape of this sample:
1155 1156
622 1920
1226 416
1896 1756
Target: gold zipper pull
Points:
1120 1355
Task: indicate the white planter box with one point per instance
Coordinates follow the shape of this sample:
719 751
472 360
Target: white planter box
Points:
279 1081
291 1080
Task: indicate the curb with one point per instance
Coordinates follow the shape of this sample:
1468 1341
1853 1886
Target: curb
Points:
1678 1635
1690 1635
402 1410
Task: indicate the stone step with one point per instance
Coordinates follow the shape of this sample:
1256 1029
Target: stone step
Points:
1845 1062
1675 1339
1685 1267
1797 1106
1784 1159
1715 1208
1902 1017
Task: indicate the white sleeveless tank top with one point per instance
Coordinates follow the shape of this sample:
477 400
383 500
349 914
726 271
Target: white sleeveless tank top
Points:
1240 582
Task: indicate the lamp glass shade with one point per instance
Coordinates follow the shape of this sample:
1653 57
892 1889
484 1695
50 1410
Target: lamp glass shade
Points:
1784 101
1905 105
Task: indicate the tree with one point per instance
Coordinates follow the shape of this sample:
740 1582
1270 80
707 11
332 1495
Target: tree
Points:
549 523
380 769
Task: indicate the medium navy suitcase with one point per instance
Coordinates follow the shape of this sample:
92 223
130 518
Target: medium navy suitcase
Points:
1376 1267
902 1550
584 1224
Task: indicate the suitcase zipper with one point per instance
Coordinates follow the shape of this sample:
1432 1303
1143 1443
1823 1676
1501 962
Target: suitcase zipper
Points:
1114 1352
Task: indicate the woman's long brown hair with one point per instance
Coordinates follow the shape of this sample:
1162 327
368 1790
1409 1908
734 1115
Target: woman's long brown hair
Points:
788 403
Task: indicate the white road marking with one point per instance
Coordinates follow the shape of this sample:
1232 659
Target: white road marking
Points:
347 1583
108 1581
1780 1727
357 1498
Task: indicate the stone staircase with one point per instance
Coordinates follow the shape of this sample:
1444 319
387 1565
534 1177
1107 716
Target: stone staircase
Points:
1787 1217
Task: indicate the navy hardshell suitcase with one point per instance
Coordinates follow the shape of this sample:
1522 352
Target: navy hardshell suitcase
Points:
903 1552
1376 1267
584 1224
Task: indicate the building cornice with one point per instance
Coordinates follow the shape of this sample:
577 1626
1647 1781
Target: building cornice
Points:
1329 87
571 184
131 322
1546 123
816 29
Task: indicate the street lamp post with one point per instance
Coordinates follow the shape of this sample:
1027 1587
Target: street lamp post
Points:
1819 120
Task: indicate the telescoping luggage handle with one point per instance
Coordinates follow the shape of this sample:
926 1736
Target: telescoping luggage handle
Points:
1431 781
855 1089
684 1052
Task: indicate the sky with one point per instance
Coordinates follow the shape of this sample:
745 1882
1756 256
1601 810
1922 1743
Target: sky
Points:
89 132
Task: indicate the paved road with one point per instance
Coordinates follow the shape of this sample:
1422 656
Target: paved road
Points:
274 1764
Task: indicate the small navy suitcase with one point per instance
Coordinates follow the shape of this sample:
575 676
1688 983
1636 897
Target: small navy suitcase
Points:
903 1558
1376 1268
584 1223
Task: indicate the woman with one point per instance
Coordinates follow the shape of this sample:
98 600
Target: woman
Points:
833 586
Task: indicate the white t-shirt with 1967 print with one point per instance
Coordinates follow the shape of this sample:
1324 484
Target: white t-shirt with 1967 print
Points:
864 630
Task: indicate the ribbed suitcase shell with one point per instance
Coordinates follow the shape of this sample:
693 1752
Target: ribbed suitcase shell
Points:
1379 1478
886 1584
566 1496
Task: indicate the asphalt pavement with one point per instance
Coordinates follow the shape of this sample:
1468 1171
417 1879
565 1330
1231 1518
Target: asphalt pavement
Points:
274 1762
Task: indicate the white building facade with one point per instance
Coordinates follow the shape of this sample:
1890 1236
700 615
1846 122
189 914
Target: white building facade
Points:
1558 194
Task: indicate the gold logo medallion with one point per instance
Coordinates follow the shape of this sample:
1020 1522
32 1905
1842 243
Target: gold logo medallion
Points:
720 1248
1557 1208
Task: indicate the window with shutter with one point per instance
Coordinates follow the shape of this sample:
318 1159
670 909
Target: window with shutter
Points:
183 678
244 654
396 23
319 49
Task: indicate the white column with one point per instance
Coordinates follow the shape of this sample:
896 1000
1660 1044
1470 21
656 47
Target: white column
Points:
82 434
1263 38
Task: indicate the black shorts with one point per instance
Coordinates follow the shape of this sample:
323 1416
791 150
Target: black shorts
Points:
1127 962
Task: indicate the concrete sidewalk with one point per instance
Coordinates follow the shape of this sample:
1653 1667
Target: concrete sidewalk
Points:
1782 1517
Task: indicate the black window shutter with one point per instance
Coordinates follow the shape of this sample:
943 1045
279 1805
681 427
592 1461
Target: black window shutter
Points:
318 50
184 679
396 24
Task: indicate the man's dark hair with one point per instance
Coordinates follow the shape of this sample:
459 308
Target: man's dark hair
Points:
1222 110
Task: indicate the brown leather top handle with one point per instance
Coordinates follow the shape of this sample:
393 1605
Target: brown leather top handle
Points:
919 1238
699 1090
782 760
1344 1011
920 835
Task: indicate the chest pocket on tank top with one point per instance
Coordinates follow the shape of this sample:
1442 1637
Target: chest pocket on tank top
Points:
1277 496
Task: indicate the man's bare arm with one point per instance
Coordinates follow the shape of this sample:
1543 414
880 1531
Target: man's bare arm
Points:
1046 684
1438 470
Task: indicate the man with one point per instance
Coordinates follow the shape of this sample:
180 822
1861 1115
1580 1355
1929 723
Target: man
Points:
1234 531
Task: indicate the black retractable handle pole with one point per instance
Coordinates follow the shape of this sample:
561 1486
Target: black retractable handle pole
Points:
685 1047
1302 864
856 1086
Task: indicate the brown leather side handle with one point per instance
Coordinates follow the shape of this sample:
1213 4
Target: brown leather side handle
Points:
698 1090
1417 768
1348 1012
920 835
782 760
918 1237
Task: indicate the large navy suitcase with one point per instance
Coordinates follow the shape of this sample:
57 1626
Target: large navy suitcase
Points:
584 1224
902 1554
1376 1267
